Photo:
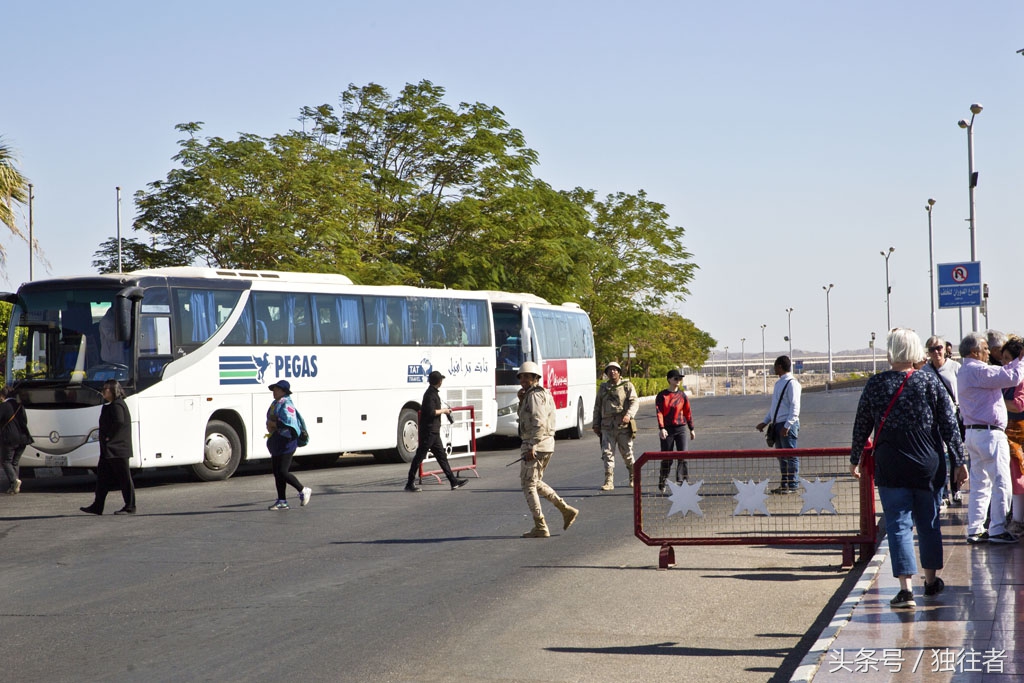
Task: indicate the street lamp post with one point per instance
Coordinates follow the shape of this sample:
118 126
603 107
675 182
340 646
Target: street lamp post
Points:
764 368
873 369
119 268
743 363
789 337
828 326
714 382
972 182
726 370
931 261
888 289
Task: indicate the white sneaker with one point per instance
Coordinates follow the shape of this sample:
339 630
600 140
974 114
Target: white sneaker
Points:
304 496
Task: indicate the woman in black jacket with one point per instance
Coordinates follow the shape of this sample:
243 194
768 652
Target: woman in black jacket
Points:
115 451
13 436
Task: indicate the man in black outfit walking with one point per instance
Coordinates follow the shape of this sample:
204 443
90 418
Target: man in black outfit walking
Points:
431 411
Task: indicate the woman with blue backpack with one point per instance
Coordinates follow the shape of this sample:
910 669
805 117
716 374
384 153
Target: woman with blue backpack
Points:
283 429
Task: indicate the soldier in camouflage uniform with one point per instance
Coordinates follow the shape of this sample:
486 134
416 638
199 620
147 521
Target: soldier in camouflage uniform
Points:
616 406
537 430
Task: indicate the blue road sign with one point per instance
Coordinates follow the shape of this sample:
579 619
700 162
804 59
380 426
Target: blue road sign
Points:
959 284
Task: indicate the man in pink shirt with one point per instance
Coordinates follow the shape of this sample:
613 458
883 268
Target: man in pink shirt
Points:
981 404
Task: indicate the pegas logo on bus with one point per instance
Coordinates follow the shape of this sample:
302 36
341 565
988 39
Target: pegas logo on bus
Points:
252 369
556 380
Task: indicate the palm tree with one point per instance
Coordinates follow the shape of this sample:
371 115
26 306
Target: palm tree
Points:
13 190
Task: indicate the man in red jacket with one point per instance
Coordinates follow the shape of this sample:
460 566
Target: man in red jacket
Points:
675 425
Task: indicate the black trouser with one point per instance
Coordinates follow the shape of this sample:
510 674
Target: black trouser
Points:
11 456
678 439
111 474
430 442
281 452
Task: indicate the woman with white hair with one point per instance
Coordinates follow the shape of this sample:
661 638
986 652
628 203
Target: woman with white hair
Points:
911 416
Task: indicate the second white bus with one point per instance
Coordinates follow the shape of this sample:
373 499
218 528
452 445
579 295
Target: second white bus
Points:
559 339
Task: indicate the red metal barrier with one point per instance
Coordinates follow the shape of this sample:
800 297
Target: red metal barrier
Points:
454 455
726 500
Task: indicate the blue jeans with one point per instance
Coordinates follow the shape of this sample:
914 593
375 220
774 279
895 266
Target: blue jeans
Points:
790 467
904 509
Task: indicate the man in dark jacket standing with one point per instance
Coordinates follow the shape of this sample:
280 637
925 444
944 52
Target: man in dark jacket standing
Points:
115 436
431 411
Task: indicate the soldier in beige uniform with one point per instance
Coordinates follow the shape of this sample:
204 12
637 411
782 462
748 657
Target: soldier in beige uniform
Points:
616 406
537 430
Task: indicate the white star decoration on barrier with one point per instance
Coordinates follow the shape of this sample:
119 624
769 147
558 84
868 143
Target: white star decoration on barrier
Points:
818 496
751 497
684 498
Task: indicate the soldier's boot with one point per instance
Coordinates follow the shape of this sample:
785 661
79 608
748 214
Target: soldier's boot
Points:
609 481
629 468
539 530
569 513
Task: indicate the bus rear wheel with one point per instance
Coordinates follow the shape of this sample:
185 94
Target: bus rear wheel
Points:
222 452
408 434
576 432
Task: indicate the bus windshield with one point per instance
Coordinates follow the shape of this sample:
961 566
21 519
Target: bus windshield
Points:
66 336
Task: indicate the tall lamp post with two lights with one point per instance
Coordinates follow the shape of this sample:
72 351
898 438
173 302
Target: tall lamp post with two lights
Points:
972 182
931 261
888 289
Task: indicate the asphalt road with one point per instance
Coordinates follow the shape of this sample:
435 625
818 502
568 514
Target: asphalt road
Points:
369 583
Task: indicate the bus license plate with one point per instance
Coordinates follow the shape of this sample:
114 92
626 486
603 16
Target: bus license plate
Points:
56 460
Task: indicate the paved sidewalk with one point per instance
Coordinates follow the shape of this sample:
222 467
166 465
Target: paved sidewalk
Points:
972 631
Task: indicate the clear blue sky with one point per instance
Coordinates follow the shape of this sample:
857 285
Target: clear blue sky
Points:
792 140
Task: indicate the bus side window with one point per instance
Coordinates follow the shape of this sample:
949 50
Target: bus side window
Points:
154 347
299 321
328 328
268 307
241 335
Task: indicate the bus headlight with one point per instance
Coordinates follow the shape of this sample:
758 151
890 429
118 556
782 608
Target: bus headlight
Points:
94 436
509 409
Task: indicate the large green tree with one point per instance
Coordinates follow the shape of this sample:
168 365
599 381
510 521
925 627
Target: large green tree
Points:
406 189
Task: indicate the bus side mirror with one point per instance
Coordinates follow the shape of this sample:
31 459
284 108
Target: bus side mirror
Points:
122 319
123 312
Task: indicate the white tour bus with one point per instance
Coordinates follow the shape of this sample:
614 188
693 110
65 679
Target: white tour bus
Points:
196 349
560 340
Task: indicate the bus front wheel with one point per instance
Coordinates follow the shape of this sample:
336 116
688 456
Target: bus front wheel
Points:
408 434
577 431
222 451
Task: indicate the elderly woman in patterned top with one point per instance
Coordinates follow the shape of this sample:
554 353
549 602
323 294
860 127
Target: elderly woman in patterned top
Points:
911 414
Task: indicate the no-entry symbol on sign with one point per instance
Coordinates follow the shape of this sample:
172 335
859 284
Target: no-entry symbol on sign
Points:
959 284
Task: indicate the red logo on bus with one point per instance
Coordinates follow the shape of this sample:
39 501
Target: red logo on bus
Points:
556 380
